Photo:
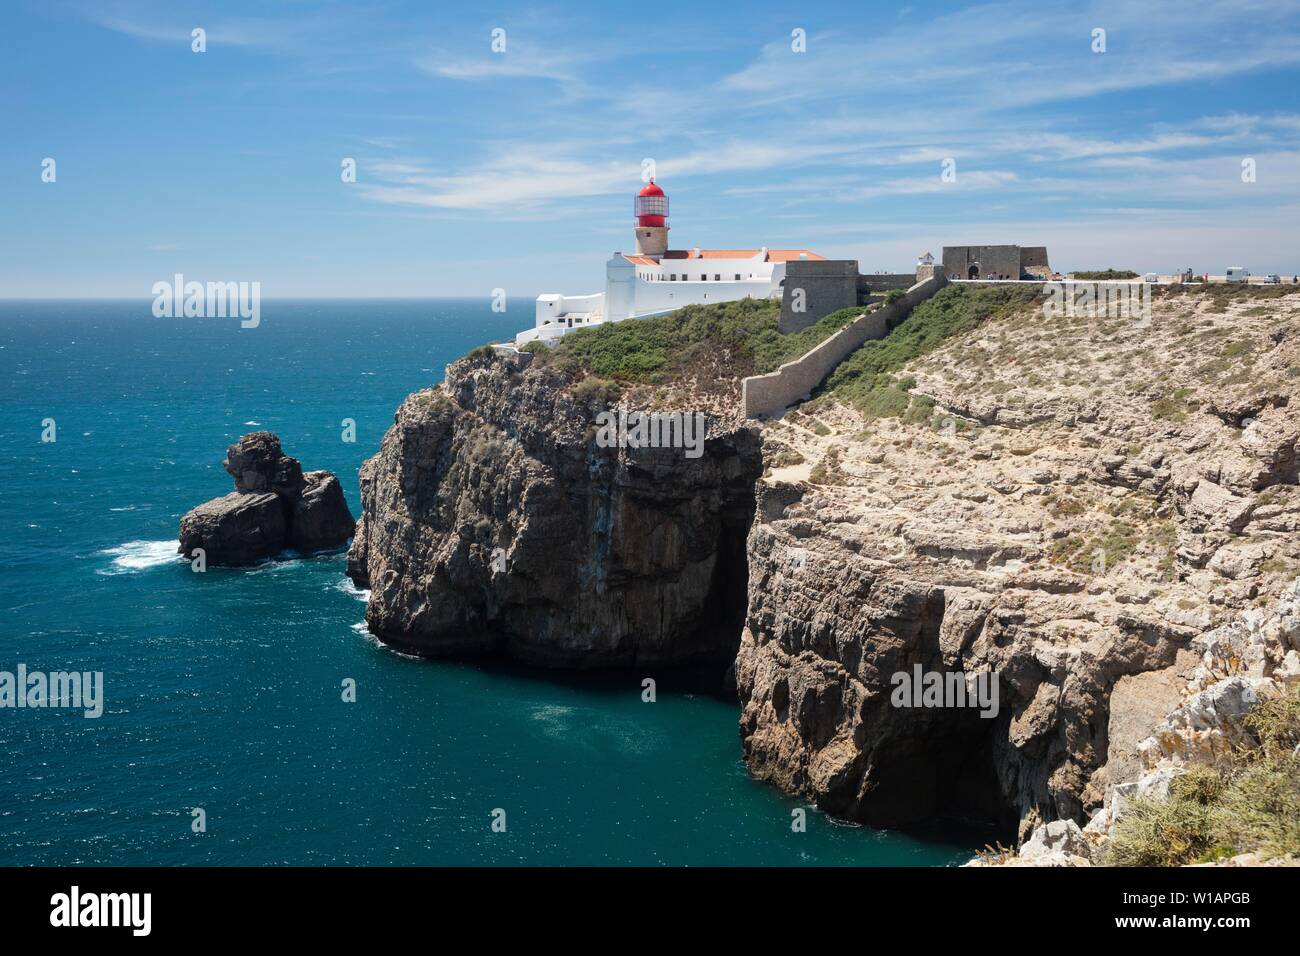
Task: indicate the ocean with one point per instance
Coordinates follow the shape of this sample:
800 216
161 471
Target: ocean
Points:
223 690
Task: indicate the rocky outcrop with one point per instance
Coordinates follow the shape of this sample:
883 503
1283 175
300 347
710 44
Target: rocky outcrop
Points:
493 522
274 506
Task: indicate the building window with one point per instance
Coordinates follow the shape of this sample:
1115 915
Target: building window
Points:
716 277
673 277
737 276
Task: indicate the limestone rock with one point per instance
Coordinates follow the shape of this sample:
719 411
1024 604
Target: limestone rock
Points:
1206 727
1213 507
493 523
274 507
1272 439
1059 843
257 463
320 518
1138 702
240 528
1087 542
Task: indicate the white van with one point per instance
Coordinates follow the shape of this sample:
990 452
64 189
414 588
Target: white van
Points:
1151 277
1237 274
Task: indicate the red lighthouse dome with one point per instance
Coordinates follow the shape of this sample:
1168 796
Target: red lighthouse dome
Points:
651 205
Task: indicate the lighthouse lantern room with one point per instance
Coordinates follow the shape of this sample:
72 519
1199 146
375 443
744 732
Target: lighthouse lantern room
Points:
651 221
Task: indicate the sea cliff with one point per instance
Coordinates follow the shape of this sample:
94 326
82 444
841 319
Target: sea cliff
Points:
1073 506
493 523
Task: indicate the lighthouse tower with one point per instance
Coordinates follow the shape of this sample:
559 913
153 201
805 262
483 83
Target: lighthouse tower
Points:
651 221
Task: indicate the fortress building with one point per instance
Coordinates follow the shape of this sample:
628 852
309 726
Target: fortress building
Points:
996 262
654 279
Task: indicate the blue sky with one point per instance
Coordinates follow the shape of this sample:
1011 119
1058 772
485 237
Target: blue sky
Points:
478 170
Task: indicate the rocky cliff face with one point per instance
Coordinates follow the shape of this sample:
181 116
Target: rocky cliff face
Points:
841 601
493 523
1089 498
274 506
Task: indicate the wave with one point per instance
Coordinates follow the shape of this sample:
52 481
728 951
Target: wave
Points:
141 555
363 629
284 561
347 587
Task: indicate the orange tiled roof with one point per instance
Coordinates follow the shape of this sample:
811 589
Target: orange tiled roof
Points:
641 260
788 255
773 255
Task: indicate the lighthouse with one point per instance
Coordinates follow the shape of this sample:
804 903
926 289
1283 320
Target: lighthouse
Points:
651 221
654 279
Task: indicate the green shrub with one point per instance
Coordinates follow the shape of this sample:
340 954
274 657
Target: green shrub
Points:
1175 406
1251 806
1169 832
1106 275
593 388
735 339
1112 547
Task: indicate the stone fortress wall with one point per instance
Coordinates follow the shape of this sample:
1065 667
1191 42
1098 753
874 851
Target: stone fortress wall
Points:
996 262
763 395
815 289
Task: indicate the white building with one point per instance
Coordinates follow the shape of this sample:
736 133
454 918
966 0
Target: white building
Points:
655 279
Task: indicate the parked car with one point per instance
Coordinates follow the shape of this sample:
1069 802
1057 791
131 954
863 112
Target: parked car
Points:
1151 277
1272 279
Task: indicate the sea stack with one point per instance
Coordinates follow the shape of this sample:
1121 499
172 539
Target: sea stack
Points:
274 506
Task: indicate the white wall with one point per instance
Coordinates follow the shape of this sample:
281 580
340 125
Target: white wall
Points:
649 288
658 296
553 307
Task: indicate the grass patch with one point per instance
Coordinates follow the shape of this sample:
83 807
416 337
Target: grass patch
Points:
827 471
727 339
1175 407
866 378
1084 553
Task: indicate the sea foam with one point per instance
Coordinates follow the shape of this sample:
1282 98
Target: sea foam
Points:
345 585
140 555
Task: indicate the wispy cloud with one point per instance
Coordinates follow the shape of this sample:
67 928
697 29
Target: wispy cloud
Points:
843 142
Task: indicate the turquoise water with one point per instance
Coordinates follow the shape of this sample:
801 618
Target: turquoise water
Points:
223 690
